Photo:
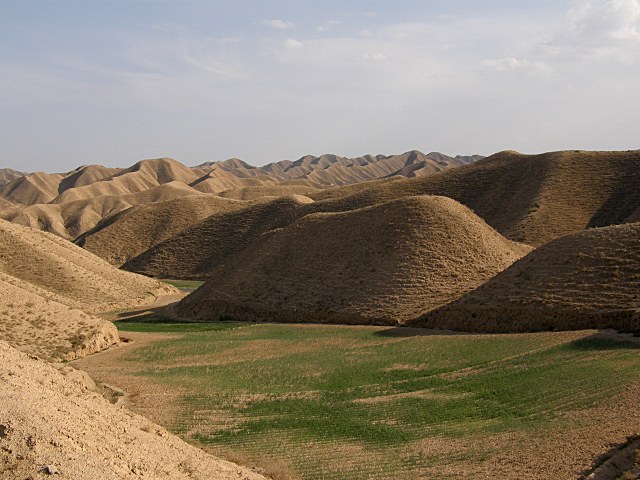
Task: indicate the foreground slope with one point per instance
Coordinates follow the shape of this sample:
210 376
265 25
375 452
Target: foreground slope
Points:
531 198
135 230
38 322
587 280
54 424
78 278
384 264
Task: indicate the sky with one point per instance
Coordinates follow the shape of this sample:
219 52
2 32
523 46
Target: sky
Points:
114 82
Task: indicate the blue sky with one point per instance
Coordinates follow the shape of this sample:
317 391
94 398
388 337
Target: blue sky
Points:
113 82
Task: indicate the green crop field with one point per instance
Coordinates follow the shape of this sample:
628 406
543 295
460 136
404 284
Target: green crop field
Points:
372 402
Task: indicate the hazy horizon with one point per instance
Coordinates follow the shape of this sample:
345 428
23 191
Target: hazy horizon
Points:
113 83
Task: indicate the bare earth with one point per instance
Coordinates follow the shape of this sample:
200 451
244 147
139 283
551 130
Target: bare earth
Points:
52 424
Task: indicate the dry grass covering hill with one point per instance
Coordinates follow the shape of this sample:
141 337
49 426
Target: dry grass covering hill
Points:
384 264
333 170
530 198
269 191
137 229
587 280
86 175
634 217
79 278
54 425
219 180
198 250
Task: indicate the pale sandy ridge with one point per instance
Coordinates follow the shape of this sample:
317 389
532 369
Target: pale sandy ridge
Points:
38 322
587 280
383 265
79 278
56 425
49 289
70 204
8 175
71 219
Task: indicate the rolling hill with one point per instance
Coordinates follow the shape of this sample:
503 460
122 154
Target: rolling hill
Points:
34 188
383 265
79 278
198 250
8 174
587 280
532 199
133 231
71 219
50 288
528 198
70 204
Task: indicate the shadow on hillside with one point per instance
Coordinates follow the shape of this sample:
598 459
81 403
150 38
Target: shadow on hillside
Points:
612 463
164 312
151 317
602 340
416 332
605 340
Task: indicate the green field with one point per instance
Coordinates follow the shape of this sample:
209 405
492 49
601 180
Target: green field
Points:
364 402
184 285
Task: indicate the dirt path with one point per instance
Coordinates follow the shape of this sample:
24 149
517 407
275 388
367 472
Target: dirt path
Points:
115 377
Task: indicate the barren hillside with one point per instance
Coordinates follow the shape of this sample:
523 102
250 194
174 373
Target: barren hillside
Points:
264 192
587 280
128 234
54 425
34 188
142 176
39 322
384 264
8 175
79 278
71 219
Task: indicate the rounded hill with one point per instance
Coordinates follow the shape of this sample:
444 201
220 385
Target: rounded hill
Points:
383 264
587 280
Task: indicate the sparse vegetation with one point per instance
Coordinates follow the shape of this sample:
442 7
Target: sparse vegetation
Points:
312 395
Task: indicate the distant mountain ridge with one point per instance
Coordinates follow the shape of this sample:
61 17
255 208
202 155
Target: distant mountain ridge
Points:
72 203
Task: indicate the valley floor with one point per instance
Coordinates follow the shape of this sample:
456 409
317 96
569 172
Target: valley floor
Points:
316 401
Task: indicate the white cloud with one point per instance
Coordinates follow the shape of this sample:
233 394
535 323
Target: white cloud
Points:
279 24
327 26
509 64
599 29
375 57
602 20
292 43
